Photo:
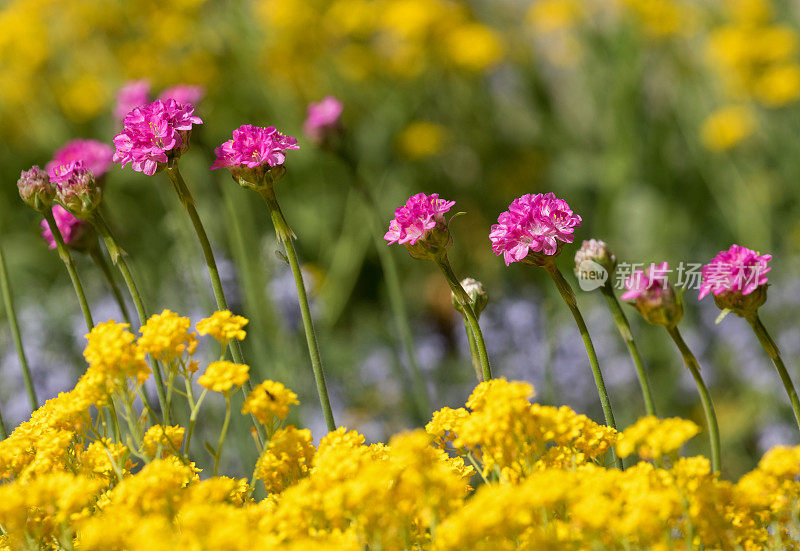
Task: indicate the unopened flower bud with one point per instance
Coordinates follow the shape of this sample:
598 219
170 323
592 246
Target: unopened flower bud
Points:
77 189
476 293
653 296
595 251
420 225
35 189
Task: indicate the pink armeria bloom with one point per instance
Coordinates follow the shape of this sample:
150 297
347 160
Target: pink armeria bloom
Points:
253 146
133 94
151 132
416 218
70 227
649 284
533 224
76 188
62 172
95 155
737 270
184 93
322 117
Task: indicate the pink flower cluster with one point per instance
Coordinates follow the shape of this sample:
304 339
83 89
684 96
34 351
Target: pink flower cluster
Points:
70 227
96 156
533 223
419 215
136 93
253 146
649 284
322 117
737 270
151 131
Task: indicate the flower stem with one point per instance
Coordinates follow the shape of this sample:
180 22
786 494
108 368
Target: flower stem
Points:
227 420
115 420
286 236
772 351
101 263
711 415
118 257
624 329
3 429
569 298
66 257
469 314
473 349
11 313
195 408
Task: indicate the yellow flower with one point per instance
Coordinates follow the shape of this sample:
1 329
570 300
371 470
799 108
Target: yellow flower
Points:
223 326
112 351
168 438
224 375
474 47
269 399
780 85
165 336
653 438
422 139
286 459
553 15
727 127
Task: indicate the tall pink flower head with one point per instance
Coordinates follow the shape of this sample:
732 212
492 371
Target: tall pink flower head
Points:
653 295
421 226
95 155
534 227
255 155
184 93
153 133
76 188
322 119
133 94
72 229
737 279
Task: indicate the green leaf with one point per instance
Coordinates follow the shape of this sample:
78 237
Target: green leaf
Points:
722 315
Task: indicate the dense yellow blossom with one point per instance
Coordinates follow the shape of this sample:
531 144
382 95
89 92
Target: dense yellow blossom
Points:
223 376
268 400
653 438
168 439
223 326
166 336
286 459
112 350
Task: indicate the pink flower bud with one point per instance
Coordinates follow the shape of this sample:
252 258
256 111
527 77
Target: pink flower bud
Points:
36 189
653 295
76 188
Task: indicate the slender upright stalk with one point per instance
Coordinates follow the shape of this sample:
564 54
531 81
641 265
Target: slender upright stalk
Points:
772 351
711 415
469 314
118 257
66 257
222 434
286 236
473 349
216 283
624 329
3 429
569 298
101 263
5 287
194 408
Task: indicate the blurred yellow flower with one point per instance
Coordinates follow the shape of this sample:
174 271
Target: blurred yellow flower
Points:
553 15
474 47
728 126
779 85
421 139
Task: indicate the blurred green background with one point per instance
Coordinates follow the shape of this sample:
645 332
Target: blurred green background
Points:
669 125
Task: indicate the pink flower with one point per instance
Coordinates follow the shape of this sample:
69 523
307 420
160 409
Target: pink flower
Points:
35 188
533 224
153 131
184 93
413 221
322 118
95 155
60 173
76 188
649 284
71 228
737 270
133 94
254 146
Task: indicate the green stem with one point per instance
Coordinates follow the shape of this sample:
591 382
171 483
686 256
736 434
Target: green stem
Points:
3 429
115 420
66 257
101 263
286 236
118 257
195 408
466 308
772 351
568 295
705 396
473 349
223 433
15 332
624 329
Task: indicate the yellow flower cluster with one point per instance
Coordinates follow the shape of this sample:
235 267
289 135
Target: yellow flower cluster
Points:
223 376
223 326
166 336
542 480
268 400
113 351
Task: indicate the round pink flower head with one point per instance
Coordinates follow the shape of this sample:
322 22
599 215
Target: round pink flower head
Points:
184 93
96 156
36 189
76 188
737 278
255 155
153 134
533 229
322 122
133 94
77 234
420 225
653 295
